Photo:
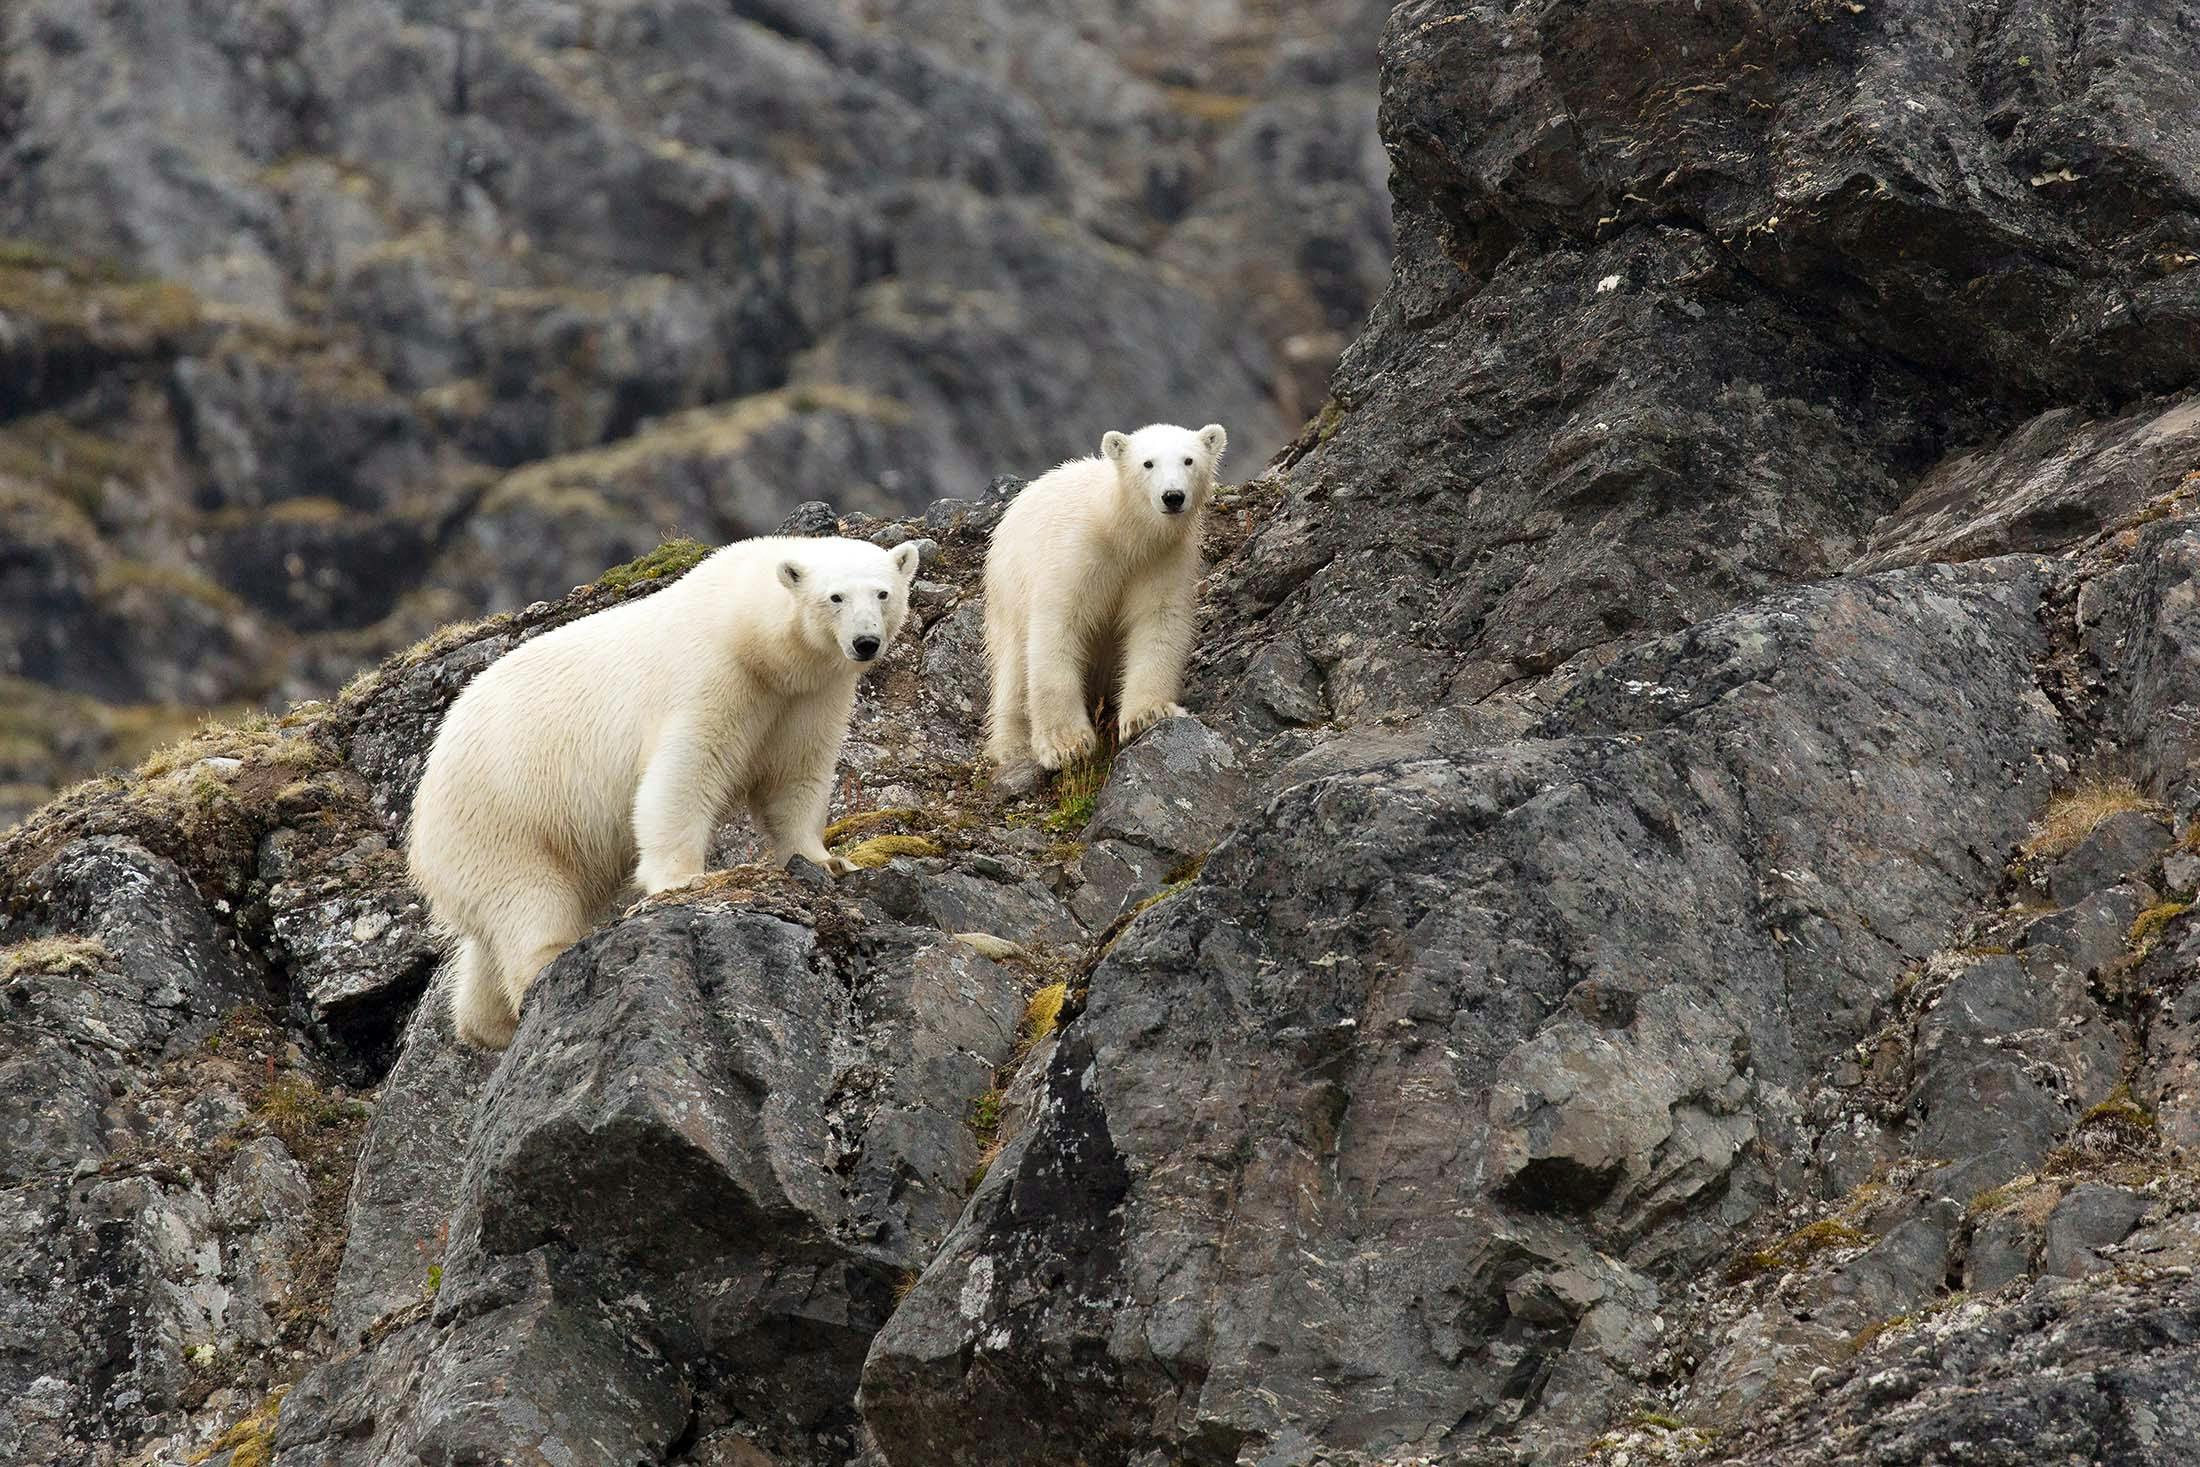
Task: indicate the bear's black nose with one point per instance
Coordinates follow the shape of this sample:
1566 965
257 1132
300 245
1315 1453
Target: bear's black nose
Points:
1173 500
866 648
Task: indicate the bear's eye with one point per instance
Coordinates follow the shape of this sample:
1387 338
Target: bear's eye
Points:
1187 463
1149 463
836 598
882 595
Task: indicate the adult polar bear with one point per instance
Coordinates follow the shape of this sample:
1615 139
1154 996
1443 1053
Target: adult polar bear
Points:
605 752
1090 586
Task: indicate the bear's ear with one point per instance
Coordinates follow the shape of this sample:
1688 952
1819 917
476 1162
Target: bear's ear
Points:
1115 446
790 575
905 558
1214 440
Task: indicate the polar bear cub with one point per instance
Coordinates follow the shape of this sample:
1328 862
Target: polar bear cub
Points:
1090 585
604 753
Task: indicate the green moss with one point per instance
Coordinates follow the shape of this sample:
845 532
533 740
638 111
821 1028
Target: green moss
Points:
1799 1248
672 559
1329 420
2146 930
251 1441
82 956
1659 1420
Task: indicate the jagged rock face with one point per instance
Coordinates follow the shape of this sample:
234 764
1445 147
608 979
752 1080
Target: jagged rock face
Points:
1471 1053
1667 938
349 319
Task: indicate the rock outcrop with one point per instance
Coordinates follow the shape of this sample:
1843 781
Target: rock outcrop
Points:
1668 938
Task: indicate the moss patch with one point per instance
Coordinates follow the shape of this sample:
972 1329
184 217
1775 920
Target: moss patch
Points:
674 558
80 956
250 1442
1799 1248
2147 929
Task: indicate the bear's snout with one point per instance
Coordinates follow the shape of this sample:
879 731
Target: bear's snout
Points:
865 648
1172 501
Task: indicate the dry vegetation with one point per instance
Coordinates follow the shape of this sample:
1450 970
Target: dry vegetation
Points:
2077 812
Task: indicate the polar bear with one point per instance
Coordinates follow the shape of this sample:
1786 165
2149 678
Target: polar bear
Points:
602 754
1090 585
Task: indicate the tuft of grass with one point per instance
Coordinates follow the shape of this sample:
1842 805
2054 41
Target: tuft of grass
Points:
985 1116
1077 792
862 820
675 557
299 1113
879 849
2115 1132
2077 812
250 1442
2146 929
81 956
906 1282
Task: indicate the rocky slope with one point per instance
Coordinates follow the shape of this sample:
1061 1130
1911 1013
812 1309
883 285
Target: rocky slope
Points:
324 324
1669 938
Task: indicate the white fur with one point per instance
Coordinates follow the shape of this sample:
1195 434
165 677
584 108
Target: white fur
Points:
1090 586
604 753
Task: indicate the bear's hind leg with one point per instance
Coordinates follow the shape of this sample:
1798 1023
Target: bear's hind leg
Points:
479 1010
1008 723
534 926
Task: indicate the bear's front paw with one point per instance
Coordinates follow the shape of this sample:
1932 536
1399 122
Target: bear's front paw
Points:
1059 749
840 866
1137 720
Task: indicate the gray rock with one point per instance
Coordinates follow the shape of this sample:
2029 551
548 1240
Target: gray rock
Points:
1174 790
701 1105
2002 1249
397 1219
811 517
2089 1219
2122 845
2055 481
1113 877
2080 938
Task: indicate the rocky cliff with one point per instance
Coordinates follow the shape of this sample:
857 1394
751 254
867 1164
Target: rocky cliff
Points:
1668 939
324 323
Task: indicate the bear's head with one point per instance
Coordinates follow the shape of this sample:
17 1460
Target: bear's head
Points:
1168 469
852 597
